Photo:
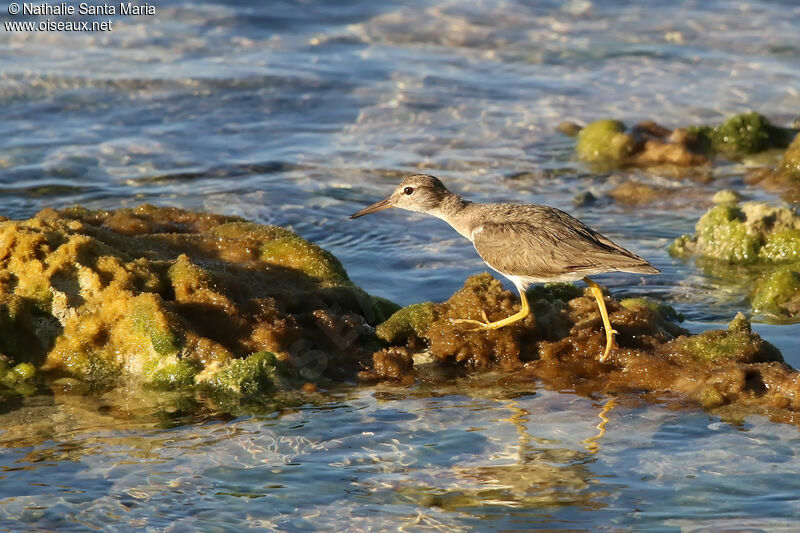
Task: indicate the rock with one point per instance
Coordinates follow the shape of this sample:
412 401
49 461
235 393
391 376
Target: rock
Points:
559 344
726 196
743 234
584 199
609 143
665 310
778 293
737 343
633 192
789 167
173 299
605 141
763 238
569 128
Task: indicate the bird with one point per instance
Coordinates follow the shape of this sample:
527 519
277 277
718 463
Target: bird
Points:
526 243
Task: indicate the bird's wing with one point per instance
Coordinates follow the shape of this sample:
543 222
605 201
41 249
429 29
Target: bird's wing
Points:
550 243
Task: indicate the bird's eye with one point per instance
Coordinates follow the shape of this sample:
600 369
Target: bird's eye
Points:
408 190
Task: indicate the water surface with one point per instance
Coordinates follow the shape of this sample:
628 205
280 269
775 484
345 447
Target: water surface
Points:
300 113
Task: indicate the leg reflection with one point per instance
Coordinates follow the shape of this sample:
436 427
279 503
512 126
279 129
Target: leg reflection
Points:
592 443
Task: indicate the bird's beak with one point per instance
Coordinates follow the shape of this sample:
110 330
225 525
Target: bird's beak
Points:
378 206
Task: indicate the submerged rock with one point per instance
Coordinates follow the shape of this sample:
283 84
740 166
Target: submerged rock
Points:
171 298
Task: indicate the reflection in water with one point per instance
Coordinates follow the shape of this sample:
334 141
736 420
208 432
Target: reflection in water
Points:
396 458
593 443
297 114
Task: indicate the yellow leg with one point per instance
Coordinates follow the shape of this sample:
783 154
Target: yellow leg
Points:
597 292
523 312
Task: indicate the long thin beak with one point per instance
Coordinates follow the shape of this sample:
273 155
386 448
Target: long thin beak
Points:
378 206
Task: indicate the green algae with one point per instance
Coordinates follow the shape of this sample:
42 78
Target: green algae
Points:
781 246
778 294
747 133
297 253
757 239
604 141
408 322
738 343
168 297
726 196
789 166
256 374
738 136
743 234
666 311
171 373
609 143
554 291
722 234
149 318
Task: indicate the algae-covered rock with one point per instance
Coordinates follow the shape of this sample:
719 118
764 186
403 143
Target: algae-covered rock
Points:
665 310
171 298
726 196
747 133
743 234
778 294
763 238
604 141
737 343
789 167
561 341
610 143
257 373
407 322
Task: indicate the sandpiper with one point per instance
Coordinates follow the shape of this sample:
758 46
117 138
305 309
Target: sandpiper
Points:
526 243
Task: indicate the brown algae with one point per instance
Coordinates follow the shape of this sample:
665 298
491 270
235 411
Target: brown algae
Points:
172 298
560 341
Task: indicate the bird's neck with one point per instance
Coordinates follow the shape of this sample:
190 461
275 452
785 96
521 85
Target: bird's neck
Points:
452 210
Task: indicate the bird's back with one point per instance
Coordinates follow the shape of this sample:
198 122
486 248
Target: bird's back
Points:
541 243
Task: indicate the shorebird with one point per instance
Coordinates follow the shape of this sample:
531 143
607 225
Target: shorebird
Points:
526 243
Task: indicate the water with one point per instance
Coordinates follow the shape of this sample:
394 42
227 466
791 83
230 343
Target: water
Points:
300 113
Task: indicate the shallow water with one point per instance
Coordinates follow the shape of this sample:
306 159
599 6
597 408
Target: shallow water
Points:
300 113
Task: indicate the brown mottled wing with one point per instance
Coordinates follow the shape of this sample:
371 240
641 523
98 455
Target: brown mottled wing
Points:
543 242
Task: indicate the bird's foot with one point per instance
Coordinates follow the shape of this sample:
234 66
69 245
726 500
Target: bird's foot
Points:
478 325
475 324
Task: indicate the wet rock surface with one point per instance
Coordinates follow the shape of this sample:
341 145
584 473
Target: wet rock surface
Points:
170 298
610 143
559 344
754 242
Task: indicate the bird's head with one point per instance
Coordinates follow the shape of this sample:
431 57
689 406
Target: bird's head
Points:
420 192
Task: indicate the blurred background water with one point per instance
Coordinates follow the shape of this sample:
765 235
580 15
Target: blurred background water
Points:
298 114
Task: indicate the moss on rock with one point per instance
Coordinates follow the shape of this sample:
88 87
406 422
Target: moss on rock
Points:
258 373
411 321
789 167
743 234
738 343
665 310
762 239
605 141
610 143
747 133
778 293
170 298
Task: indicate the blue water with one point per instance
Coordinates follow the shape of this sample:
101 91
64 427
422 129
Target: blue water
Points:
300 113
